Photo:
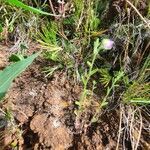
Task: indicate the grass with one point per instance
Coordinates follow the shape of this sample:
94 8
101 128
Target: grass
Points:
71 40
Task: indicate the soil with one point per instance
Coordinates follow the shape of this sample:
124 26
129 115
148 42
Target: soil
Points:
43 113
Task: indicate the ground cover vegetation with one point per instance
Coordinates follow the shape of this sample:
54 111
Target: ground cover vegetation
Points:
101 46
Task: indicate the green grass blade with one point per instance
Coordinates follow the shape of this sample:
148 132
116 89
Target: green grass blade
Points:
140 101
26 7
12 71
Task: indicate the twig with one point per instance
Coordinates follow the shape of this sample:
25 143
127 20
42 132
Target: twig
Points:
3 112
120 130
131 127
142 18
140 130
52 8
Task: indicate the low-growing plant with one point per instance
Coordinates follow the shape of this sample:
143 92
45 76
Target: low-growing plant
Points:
138 94
106 44
110 89
139 91
87 75
48 34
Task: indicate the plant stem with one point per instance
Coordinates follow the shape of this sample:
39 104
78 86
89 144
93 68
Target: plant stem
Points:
87 80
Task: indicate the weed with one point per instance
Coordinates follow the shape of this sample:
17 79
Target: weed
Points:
50 70
106 44
86 77
48 34
137 94
105 78
106 71
138 91
110 89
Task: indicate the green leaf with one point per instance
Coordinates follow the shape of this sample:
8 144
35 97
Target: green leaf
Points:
83 79
94 119
78 103
104 104
89 63
1 28
15 57
26 7
94 71
96 45
140 101
12 71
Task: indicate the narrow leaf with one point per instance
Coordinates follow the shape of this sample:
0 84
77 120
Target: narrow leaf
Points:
12 71
94 71
17 3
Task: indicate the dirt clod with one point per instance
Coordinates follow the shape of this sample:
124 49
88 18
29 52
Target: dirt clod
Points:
56 137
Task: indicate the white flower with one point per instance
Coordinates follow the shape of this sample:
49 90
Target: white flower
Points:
107 44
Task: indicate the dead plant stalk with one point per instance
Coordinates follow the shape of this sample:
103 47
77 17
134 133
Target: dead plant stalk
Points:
142 18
